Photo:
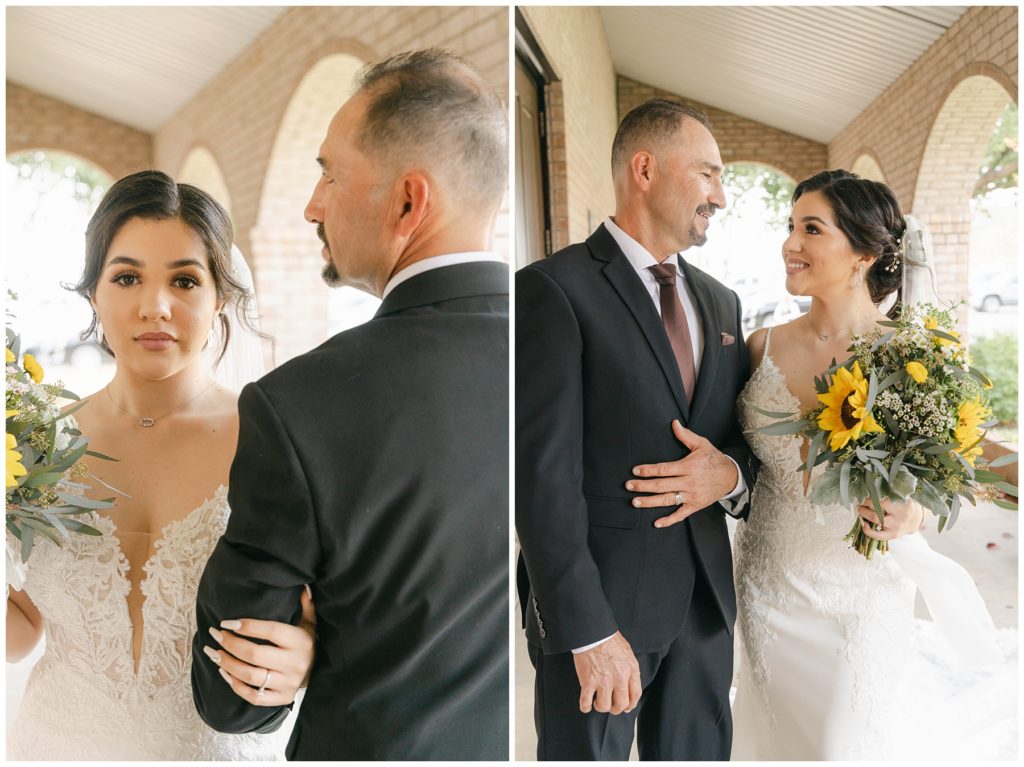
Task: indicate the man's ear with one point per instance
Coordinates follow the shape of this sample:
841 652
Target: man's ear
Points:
643 168
413 190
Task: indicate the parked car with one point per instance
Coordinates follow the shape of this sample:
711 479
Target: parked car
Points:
994 292
771 308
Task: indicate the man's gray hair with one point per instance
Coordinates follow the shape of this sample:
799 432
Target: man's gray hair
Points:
432 107
650 125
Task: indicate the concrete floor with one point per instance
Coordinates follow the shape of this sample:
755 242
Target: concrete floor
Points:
994 569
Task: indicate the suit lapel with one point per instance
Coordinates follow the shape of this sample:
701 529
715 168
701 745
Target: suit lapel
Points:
631 290
712 332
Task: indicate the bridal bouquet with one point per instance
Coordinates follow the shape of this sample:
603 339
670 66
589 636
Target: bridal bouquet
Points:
44 450
902 418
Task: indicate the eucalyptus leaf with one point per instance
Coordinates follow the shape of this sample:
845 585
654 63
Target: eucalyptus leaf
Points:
865 454
27 538
42 527
883 339
783 427
1003 460
954 511
872 392
94 454
1005 504
981 377
943 334
936 449
875 495
888 323
1007 488
80 527
42 479
772 413
987 477
844 483
82 502
966 466
929 497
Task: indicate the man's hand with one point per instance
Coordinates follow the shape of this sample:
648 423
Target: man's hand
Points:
900 519
692 483
609 677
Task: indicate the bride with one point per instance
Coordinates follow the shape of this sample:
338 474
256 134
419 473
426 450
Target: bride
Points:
118 610
831 665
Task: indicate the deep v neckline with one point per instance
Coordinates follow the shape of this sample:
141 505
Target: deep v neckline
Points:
804 445
123 567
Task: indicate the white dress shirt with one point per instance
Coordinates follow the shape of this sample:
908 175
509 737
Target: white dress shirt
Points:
436 262
640 259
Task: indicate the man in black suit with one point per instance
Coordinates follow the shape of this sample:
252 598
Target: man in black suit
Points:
375 467
618 594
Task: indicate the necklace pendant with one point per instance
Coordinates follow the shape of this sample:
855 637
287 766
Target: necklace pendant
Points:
146 422
823 336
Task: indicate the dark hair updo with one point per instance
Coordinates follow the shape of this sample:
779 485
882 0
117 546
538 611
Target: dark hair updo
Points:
153 195
869 215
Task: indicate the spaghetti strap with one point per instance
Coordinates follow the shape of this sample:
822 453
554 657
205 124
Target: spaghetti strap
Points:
767 341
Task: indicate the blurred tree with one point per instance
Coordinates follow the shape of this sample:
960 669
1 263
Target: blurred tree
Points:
40 173
747 182
999 166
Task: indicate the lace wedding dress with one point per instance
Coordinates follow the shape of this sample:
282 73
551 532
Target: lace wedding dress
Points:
84 699
833 664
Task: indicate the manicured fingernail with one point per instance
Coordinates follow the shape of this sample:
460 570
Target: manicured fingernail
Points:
309 591
636 502
629 485
659 524
231 625
224 674
216 635
212 654
636 470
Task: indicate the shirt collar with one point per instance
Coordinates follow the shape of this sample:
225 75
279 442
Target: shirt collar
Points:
436 262
637 255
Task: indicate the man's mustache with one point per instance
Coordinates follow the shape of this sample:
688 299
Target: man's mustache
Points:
707 209
323 236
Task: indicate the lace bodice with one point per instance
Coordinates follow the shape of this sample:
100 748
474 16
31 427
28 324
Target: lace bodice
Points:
84 699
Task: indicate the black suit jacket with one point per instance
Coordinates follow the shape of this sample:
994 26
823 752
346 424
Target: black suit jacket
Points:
375 468
597 388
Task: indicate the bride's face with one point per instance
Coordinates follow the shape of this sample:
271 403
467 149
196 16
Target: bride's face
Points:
156 298
817 255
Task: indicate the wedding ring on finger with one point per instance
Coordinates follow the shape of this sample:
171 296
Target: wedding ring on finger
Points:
877 527
679 498
263 687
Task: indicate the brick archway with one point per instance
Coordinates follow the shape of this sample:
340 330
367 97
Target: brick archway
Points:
948 170
285 249
201 169
867 166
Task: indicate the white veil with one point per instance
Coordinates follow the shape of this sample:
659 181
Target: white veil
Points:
242 362
919 286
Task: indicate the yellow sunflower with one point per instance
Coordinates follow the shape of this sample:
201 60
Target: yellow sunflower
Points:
14 466
970 415
33 368
844 416
931 323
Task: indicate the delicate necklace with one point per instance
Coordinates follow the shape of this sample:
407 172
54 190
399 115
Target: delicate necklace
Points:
145 421
828 336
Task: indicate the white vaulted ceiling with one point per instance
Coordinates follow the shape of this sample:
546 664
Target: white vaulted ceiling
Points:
135 65
804 69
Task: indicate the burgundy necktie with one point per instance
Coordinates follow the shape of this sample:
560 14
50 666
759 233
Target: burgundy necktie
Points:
678 329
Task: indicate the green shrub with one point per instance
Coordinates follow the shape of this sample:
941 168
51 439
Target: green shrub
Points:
996 356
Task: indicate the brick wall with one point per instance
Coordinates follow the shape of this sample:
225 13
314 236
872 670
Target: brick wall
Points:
35 121
928 130
739 138
582 117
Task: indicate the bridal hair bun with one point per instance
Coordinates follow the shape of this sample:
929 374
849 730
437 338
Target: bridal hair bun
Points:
868 213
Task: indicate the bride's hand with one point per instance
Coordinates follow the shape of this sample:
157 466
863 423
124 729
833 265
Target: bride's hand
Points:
281 667
900 519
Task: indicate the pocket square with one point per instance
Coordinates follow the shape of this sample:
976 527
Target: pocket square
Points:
728 339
